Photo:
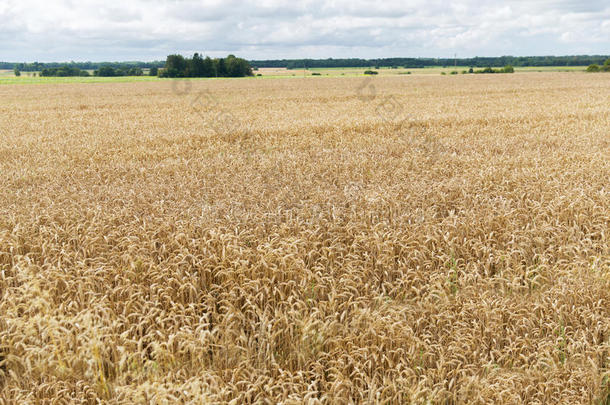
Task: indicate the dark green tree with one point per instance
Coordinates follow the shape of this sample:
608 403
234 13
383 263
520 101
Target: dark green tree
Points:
221 68
106 71
175 66
63 71
197 66
134 71
208 67
237 67
194 66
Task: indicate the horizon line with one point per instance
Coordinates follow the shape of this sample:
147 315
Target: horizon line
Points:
329 58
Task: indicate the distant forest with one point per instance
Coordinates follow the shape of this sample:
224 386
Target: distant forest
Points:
410 63
38 67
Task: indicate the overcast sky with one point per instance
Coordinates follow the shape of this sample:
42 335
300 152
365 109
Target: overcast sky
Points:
99 30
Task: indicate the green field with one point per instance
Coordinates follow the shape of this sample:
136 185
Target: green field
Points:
552 69
26 78
433 70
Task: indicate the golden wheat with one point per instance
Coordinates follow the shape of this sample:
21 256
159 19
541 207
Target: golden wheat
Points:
333 240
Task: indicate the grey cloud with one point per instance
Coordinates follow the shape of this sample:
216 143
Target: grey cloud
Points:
138 29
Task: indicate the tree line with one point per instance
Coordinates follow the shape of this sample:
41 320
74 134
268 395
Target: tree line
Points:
38 66
198 66
479 62
174 66
413 63
62 71
104 71
109 71
505 69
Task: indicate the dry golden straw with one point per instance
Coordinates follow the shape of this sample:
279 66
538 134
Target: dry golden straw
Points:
438 240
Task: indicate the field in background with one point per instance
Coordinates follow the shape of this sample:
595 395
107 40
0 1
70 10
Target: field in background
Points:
281 72
7 76
399 239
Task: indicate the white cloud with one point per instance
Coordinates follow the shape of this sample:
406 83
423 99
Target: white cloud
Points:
137 29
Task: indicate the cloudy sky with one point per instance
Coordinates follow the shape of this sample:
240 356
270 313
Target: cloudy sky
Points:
97 30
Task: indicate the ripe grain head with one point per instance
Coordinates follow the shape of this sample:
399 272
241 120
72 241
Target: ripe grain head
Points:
313 250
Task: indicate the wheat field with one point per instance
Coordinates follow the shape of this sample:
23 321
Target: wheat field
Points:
421 239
